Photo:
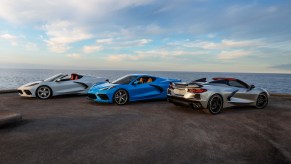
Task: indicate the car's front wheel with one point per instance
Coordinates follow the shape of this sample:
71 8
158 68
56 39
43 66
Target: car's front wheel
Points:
121 97
262 101
43 92
215 104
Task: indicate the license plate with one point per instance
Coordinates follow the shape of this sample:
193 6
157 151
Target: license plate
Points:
179 91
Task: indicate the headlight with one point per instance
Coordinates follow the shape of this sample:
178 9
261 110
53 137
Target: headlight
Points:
107 88
32 84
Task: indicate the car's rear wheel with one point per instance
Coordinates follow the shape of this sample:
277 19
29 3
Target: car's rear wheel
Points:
215 104
43 92
262 101
120 97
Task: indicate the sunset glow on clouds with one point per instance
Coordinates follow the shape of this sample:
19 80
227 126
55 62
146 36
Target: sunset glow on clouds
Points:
183 35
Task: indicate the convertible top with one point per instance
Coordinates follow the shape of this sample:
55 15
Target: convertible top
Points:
224 78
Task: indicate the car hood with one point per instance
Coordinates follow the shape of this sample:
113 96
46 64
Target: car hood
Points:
31 83
104 85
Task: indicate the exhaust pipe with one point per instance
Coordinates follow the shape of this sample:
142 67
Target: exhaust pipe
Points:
196 106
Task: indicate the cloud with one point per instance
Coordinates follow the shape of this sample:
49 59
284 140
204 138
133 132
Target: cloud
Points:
48 10
282 66
139 42
226 44
74 56
104 41
114 43
8 37
11 38
167 53
119 57
153 29
90 49
227 55
62 33
239 44
122 42
131 32
31 46
151 55
223 44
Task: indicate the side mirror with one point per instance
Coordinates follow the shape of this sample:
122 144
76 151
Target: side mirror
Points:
252 87
58 80
107 80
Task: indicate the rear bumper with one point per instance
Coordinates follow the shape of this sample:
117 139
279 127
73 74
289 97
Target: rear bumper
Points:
187 102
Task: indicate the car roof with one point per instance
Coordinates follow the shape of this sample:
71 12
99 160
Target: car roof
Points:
138 74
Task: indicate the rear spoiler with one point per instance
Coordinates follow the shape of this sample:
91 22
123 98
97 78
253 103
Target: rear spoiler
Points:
187 84
194 82
200 80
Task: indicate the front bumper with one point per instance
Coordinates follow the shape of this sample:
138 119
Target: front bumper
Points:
100 96
26 91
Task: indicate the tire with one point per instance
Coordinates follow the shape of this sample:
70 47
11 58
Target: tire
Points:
120 97
215 104
43 92
262 101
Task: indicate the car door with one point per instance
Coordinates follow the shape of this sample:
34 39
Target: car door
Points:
243 94
145 90
67 87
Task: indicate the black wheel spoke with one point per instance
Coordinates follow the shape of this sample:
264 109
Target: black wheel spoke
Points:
215 104
121 97
262 101
43 92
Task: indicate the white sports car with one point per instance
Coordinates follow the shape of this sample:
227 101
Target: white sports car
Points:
60 84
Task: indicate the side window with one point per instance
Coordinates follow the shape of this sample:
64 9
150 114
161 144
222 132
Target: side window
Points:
236 84
142 80
146 79
151 79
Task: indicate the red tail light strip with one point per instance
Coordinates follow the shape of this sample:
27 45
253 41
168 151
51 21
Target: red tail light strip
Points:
197 90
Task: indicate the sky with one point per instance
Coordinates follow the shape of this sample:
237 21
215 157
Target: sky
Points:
164 35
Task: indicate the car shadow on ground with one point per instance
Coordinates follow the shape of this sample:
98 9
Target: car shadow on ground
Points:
135 103
68 96
229 110
153 103
14 125
241 109
54 97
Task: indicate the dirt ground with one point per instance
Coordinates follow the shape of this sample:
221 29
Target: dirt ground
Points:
72 129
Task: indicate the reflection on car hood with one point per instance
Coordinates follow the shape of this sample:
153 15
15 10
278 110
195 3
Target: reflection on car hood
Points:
104 85
31 83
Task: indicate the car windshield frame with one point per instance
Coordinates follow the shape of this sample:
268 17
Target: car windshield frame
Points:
55 77
125 79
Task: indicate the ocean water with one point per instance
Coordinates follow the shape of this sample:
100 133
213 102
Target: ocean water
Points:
274 83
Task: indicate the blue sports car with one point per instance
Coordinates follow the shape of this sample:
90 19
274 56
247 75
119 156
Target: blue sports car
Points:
132 87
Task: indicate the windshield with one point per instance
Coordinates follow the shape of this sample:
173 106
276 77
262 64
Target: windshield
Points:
54 77
125 79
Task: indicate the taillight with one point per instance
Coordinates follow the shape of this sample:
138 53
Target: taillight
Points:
171 86
197 90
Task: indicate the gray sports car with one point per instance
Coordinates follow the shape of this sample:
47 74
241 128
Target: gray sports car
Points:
215 95
60 84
